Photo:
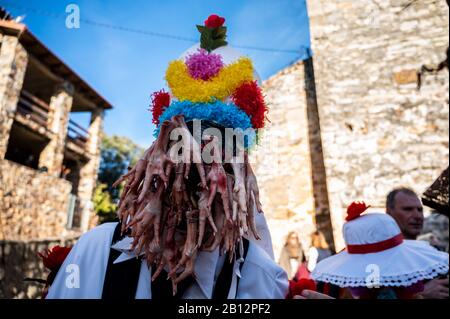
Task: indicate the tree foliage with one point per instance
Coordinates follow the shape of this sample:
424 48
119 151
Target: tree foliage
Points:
118 153
104 207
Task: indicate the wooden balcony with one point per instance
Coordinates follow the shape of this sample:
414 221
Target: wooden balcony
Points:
77 134
33 108
37 111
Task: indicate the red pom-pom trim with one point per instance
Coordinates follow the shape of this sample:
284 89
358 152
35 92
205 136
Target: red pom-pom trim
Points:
355 209
160 101
250 99
296 287
54 258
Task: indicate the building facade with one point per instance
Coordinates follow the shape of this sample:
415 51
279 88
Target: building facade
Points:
48 162
381 121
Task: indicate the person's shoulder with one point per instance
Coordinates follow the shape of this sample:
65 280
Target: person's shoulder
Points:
98 233
91 243
262 277
259 259
90 256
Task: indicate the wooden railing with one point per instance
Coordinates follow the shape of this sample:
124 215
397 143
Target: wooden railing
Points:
77 134
33 108
37 110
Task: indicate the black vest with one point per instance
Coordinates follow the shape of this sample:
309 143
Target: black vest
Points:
121 279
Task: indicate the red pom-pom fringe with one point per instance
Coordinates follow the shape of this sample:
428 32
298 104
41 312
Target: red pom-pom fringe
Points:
250 99
160 101
355 209
54 258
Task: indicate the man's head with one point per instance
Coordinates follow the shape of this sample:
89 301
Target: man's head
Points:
405 207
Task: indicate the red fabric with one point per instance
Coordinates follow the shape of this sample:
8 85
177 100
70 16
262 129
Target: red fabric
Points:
326 289
302 272
355 209
53 259
376 247
296 287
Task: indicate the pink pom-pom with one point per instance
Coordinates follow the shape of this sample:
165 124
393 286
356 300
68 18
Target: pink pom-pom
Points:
203 65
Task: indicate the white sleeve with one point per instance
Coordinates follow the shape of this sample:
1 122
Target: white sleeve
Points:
281 287
261 277
82 274
313 255
263 230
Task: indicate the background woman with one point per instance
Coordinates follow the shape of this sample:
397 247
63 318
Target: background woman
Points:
319 250
292 258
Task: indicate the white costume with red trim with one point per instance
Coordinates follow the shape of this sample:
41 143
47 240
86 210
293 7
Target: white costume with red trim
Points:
376 254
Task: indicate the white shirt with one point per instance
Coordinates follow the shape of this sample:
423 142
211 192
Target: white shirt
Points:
82 274
294 266
313 256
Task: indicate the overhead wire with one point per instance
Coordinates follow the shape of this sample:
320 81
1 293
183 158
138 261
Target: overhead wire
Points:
147 32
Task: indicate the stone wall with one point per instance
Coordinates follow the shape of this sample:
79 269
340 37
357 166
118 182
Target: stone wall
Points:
60 105
33 205
282 162
88 173
13 64
19 260
379 130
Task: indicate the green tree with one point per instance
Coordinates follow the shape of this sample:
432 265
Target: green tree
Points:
104 207
118 153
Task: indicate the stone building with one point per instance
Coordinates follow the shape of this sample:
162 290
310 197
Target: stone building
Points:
48 162
379 122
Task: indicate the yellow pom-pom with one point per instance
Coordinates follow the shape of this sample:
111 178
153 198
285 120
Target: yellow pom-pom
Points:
184 87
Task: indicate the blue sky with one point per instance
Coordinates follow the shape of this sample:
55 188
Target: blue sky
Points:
127 67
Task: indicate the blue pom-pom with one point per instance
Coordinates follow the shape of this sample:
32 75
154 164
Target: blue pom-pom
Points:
227 115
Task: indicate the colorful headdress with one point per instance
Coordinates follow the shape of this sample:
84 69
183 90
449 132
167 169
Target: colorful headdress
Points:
212 82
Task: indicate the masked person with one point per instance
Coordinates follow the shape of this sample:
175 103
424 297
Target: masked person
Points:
190 209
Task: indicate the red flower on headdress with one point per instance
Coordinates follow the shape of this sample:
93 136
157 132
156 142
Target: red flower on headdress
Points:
355 209
214 21
54 258
249 98
160 101
296 287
